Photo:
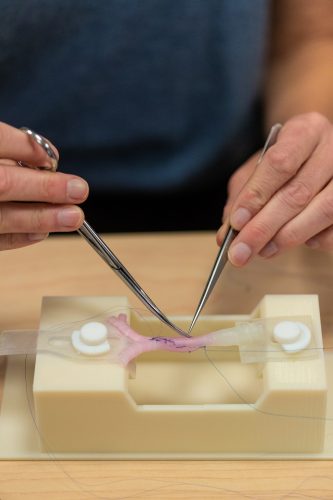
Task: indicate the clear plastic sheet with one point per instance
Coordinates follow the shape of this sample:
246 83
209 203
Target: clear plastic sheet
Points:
252 339
57 341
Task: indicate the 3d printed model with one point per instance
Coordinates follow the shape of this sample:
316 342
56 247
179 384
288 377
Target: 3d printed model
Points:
106 383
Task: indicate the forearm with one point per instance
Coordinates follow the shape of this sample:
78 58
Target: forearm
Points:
300 81
299 75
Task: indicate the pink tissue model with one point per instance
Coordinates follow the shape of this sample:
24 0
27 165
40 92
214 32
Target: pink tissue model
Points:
257 337
137 344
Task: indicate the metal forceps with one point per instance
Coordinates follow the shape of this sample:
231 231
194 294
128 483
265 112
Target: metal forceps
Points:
96 242
222 256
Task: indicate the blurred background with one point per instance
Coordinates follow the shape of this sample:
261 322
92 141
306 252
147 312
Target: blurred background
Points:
154 102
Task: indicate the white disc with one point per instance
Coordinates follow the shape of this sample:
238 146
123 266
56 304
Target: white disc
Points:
286 332
93 333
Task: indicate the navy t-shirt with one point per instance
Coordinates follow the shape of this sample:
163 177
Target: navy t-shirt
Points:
136 94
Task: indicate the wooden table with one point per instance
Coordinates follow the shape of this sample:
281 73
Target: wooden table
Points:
173 269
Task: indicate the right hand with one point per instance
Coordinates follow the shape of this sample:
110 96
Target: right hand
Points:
52 196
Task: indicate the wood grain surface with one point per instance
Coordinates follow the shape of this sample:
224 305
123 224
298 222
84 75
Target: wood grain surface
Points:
173 269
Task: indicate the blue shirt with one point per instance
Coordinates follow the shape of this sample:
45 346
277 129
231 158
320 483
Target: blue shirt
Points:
137 94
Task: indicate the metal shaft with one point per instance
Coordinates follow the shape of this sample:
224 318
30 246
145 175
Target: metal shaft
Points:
222 256
96 242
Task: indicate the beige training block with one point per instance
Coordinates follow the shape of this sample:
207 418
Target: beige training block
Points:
181 404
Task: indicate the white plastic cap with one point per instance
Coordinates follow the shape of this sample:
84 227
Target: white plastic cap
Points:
91 339
286 332
93 333
293 336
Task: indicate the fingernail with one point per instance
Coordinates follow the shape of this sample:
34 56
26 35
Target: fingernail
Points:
69 217
239 254
270 249
77 189
37 236
313 243
240 218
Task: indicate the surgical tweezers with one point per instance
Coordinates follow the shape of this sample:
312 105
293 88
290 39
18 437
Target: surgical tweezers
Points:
96 242
222 256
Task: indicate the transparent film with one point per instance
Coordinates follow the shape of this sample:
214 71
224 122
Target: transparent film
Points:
179 385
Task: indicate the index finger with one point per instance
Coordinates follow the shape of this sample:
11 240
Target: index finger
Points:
18 146
295 143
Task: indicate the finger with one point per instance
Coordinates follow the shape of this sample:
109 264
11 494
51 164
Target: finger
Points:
285 205
237 182
11 241
295 143
317 217
39 218
322 241
222 232
15 144
226 211
26 184
6 162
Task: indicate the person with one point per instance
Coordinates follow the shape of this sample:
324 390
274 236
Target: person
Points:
161 99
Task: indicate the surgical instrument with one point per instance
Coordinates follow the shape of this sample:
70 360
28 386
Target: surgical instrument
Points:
96 242
222 256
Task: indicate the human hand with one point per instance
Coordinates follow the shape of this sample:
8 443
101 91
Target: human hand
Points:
287 199
51 195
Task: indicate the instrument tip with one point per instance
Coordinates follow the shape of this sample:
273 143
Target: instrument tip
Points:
192 324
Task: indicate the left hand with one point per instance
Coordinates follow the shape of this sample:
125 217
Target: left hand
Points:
287 200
